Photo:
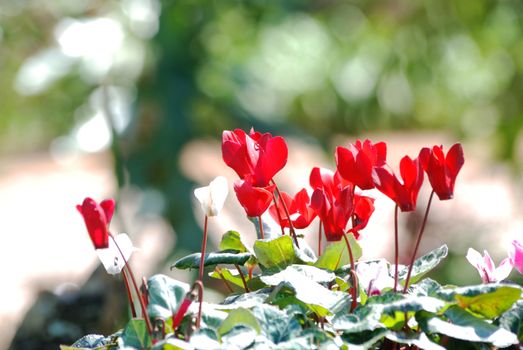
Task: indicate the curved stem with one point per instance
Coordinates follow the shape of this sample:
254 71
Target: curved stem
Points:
260 224
396 248
199 284
129 295
145 314
204 247
319 239
354 278
243 278
279 214
291 226
420 234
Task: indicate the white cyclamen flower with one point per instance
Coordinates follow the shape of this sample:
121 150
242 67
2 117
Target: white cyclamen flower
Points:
213 197
487 270
374 276
111 257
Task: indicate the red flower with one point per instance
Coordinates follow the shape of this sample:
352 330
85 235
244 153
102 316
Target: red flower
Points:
363 209
356 162
332 201
97 218
299 209
442 171
255 157
404 194
255 200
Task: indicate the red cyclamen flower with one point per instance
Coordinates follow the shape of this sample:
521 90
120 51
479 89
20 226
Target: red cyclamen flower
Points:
363 209
332 201
255 200
255 157
405 193
299 210
97 218
355 163
442 171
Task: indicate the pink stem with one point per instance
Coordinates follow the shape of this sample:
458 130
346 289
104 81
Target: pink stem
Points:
353 275
420 234
260 224
396 248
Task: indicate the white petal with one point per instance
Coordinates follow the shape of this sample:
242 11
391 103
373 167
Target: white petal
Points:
503 270
111 257
219 189
475 258
212 197
203 195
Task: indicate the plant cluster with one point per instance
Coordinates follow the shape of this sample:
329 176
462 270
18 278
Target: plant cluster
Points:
283 295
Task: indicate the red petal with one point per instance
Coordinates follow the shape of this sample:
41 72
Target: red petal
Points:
255 200
108 208
455 160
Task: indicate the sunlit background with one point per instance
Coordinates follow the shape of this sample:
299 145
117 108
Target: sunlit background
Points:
127 99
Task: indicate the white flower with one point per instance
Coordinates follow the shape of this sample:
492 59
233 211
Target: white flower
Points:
213 197
487 270
111 257
374 276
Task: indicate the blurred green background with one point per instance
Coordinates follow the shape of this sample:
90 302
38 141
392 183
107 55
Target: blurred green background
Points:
145 77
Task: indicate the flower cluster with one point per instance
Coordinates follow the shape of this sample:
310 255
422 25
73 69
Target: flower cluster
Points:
332 196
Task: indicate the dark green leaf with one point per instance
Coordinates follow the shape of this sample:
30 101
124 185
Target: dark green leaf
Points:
423 265
165 296
231 240
192 261
512 320
239 337
275 324
337 255
90 341
363 319
419 339
135 334
246 300
205 339
463 325
364 339
239 316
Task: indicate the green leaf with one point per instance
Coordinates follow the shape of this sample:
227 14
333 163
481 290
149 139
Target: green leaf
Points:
172 343
512 320
393 307
490 305
90 341
363 319
232 276
231 240
275 324
364 339
463 325
239 337
487 300
239 316
423 265
246 300
205 338
337 255
419 339
135 334
276 254
165 296
305 282
192 261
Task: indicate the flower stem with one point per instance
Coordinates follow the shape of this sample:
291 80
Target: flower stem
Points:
145 314
199 282
204 247
260 224
279 214
243 278
291 226
396 248
420 234
354 278
319 239
129 295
